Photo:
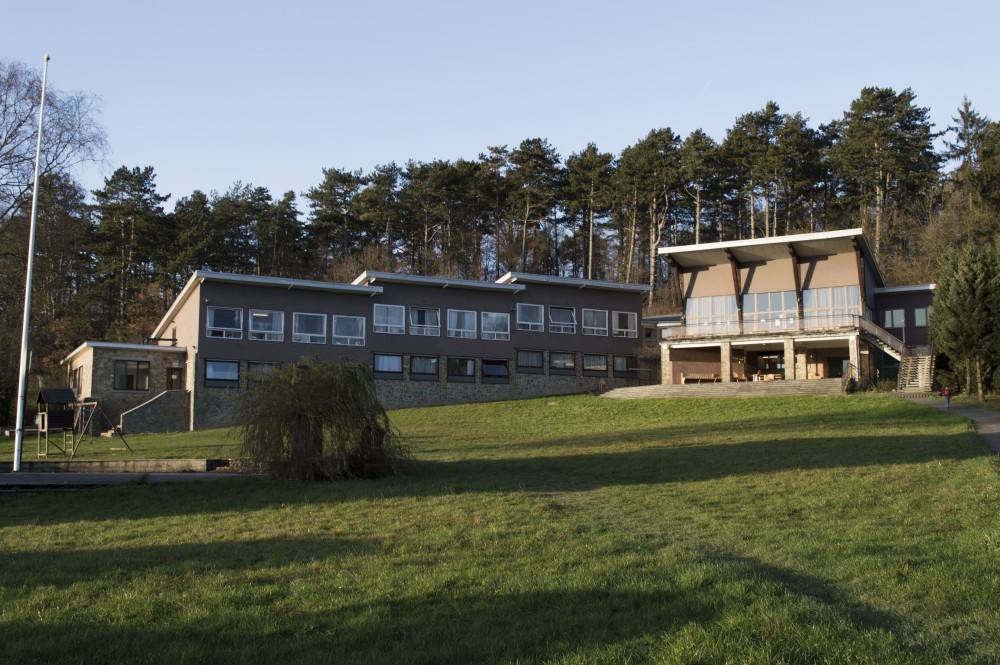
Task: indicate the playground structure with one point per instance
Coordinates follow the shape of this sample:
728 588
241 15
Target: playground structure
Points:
61 412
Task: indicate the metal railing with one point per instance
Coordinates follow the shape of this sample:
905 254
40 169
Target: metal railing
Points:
767 325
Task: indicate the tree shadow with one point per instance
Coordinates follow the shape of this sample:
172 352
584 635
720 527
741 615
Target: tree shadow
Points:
65 567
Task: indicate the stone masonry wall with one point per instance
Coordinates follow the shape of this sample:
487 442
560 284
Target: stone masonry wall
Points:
167 412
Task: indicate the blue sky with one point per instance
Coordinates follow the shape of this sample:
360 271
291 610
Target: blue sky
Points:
269 93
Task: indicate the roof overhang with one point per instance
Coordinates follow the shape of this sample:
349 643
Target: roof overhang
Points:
576 282
123 347
369 277
274 282
914 288
805 245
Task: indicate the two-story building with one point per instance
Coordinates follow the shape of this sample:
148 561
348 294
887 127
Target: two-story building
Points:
428 340
800 307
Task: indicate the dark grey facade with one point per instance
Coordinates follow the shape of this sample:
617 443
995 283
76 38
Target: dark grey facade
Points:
427 340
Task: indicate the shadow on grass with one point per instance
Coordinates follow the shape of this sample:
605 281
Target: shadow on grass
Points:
691 463
651 464
506 627
65 567
441 626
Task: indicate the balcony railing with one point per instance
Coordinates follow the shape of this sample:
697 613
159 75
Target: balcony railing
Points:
767 326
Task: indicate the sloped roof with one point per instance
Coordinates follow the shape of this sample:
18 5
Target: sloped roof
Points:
806 245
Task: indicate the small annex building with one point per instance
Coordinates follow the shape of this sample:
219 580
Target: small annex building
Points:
428 341
802 307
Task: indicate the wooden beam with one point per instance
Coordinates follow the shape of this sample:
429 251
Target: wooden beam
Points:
861 274
678 281
797 275
734 265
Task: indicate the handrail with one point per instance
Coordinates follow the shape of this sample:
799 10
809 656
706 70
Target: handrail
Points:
883 336
845 380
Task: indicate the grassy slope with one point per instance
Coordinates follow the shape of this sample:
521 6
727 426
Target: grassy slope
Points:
565 530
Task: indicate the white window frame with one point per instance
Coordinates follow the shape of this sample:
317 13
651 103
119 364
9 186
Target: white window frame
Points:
389 328
424 329
601 331
308 338
463 333
633 322
499 335
268 335
531 326
346 340
922 313
559 326
224 333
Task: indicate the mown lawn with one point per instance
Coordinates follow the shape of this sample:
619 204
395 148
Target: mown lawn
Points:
568 530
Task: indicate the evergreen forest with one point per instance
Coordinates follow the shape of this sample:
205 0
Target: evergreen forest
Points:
109 261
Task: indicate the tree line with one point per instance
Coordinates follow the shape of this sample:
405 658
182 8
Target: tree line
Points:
110 261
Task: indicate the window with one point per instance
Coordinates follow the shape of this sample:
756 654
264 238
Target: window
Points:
562 320
595 322
775 310
225 322
562 363
256 370
626 366
893 318
595 363
348 330
222 373
625 322
461 323
267 325
309 328
423 368
920 315
388 366
706 315
462 370
390 319
131 375
834 306
425 321
530 317
495 371
529 362
496 325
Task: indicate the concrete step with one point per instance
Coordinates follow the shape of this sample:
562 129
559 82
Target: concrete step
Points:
823 387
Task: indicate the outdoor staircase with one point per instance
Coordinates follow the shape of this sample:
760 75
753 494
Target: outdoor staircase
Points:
916 374
824 387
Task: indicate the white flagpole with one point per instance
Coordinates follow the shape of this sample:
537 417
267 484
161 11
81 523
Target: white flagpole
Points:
22 383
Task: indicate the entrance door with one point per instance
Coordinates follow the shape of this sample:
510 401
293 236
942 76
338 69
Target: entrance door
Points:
175 378
837 367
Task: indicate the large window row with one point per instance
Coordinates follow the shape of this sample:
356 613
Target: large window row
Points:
269 326
226 373
311 328
531 318
527 361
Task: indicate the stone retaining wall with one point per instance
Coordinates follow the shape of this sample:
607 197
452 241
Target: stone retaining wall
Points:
167 412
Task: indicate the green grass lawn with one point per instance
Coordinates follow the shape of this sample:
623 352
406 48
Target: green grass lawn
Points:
205 444
566 530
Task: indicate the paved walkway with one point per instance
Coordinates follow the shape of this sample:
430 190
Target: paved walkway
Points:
28 479
986 421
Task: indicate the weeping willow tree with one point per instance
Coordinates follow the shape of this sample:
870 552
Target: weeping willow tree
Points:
315 420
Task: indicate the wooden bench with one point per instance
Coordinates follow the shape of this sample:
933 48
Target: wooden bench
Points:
700 378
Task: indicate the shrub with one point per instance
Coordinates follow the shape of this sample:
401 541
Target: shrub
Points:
315 420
